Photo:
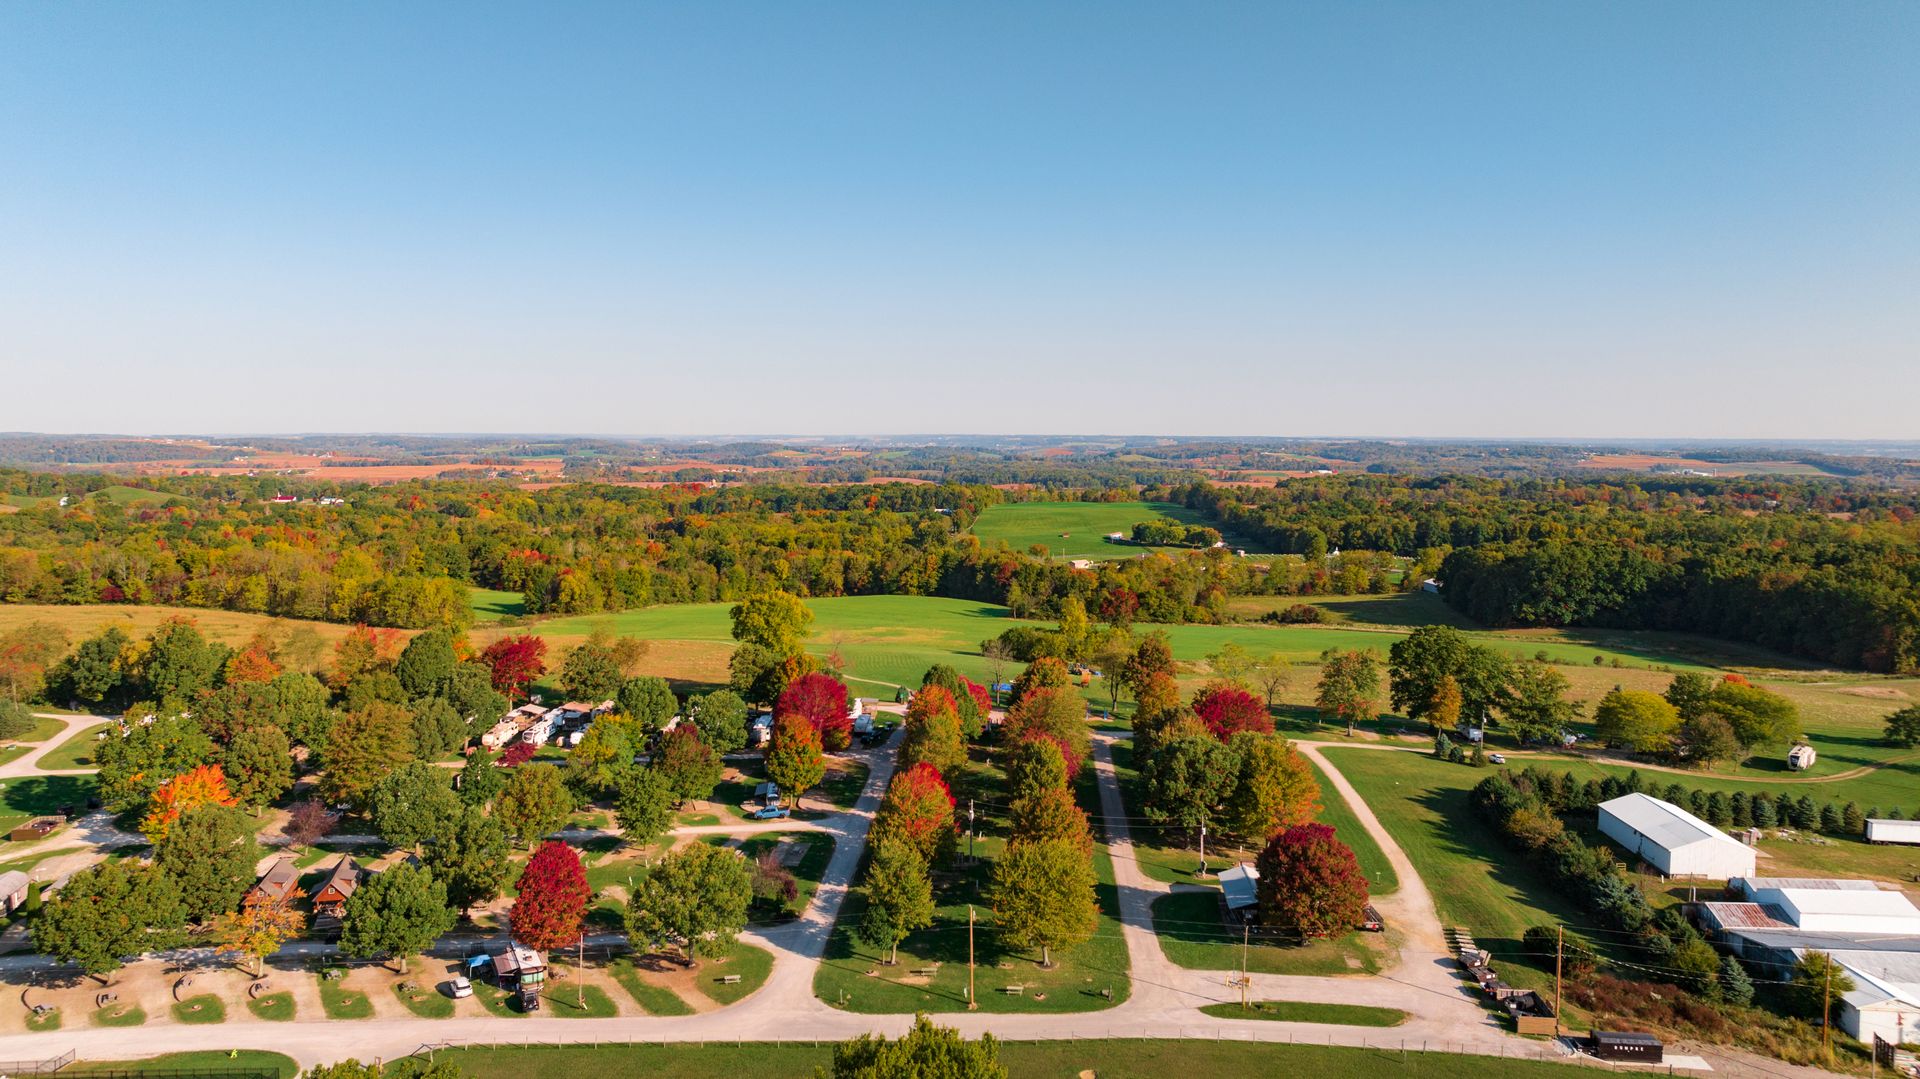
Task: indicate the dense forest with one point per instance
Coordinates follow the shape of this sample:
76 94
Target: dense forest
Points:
1816 568
1820 568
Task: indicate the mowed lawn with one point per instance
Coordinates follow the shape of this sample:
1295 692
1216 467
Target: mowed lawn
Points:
1476 881
1074 529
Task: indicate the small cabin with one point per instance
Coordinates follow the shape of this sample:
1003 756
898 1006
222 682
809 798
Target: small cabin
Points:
276 885
1626 1045
330 899
14 886
519 970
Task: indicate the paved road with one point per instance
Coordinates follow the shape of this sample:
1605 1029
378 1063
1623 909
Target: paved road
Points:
1163 1003
27 764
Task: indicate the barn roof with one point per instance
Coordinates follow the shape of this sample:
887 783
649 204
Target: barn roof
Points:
1665 823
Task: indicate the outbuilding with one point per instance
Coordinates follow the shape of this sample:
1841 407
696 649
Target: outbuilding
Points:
1893 831
1240 891
13 890
1672 840
1627 1045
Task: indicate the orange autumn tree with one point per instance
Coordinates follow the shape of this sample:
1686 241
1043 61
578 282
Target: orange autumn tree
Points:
252 664
204 785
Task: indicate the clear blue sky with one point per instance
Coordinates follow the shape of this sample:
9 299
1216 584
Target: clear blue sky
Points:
1510 219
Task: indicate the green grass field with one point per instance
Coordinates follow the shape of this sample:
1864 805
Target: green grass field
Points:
1116 1059
656 999
35 796
1293 1011
1475 881
205 1008
75 752
492 604
273 1007
1074 529
202 1062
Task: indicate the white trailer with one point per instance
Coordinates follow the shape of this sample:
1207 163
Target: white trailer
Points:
1893 831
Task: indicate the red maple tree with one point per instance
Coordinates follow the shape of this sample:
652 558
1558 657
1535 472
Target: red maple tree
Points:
982 698
918 810
1227 710
552 904
1310 882
821 700
516 754
515 663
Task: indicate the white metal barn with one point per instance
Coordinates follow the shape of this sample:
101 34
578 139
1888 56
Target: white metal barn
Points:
1893 831
1672 840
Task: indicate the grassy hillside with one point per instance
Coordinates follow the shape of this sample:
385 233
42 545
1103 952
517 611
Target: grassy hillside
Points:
1073 529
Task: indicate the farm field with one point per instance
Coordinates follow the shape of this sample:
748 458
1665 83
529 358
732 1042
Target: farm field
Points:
492 604
1074 529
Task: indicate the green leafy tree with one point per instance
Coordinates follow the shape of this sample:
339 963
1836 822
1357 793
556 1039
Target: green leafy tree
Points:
968 711
109 912
927 1050
1429 654
693 900
1049 814
16 719
139 756
648 702
535 802
259 765
438 729
362 747
1349 688
1903 727
689 766
645 806
722 719
899 897
210 853
1273 788
1535 706
1819 981
470 857
1034 765
1691 694
470 691
605 754
395 914
1759 718
425 666
1707 739
1057 713
414 803
794 761
775 621
1736 986
1184 782
95 672
178 663
1631 719
481 780
591 672
1043 896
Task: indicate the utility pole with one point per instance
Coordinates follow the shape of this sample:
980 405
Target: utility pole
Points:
972 1004
1559 948
1246 933
1826 1011
969 830
580 971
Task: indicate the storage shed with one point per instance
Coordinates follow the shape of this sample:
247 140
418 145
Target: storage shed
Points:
1626 1045
1672 840
1893 831
1240 891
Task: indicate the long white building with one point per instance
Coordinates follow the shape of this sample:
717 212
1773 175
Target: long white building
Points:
1672 840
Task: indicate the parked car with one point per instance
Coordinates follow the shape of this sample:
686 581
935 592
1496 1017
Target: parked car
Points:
772 812
1497 758
460 987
